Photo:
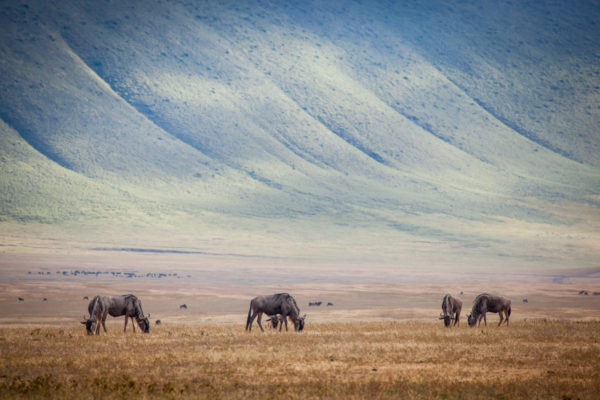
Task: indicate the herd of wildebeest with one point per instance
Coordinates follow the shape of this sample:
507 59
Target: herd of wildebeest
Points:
280 308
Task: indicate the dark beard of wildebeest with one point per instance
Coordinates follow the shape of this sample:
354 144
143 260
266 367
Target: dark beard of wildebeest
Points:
280 303
127 305
488 303
451 308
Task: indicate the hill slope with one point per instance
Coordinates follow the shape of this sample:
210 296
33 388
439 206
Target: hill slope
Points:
353 118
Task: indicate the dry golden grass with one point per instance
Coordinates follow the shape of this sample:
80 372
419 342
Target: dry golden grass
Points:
529 359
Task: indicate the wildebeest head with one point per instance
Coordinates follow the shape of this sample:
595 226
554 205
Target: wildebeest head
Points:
299 323
89 325
274 320
446 318
144 324
471 319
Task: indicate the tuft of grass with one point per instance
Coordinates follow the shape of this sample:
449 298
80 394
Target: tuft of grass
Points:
546 359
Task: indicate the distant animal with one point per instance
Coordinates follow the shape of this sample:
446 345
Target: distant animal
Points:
127 305
525 301
44 299
488 303
329 304
280 303
451 308
315 303
85 298
461 293
183 306
158 322
21 299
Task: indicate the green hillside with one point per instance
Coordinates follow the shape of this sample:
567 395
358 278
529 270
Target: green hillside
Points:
307 127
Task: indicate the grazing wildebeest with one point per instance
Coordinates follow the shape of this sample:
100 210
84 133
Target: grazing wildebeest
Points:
487 302
127 305
20 299
86 298
329 304
275 320
451 307
183 306
158 322
280 303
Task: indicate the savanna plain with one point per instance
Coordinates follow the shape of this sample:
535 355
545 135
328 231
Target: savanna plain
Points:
384 359
375 341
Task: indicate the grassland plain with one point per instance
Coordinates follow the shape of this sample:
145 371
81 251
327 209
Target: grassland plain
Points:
388 359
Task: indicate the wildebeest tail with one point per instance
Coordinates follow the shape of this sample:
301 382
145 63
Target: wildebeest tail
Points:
93 305
249 320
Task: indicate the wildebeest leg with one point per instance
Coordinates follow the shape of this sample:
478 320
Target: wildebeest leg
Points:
507 315
249 326
501 318
284 316
485 319
258 321
125 327
102 320
133 324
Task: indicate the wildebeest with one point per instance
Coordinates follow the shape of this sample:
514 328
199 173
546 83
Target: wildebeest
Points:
158 322
275 320
20 299
280 303
86 298
451 308
183 306
487 302
127 305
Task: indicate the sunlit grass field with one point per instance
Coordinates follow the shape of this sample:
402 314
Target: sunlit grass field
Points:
528 359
